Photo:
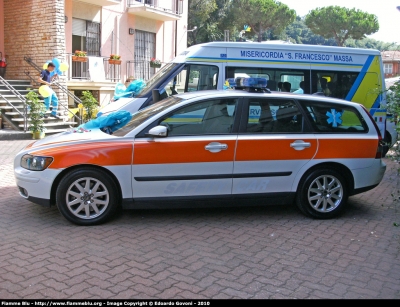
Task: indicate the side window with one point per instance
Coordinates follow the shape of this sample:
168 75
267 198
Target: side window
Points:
273 116
290 82
206 117
334 118
275 77
333 83
193 78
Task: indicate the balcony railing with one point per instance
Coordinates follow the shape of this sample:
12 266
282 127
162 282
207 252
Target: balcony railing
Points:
79 70
155 9
102 2
140 69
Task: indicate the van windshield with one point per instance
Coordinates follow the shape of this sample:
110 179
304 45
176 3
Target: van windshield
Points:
177 78
165 70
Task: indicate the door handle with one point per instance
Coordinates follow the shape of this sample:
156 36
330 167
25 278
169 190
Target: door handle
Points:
216 147
300 145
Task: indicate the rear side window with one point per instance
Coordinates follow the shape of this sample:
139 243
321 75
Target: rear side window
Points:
335 118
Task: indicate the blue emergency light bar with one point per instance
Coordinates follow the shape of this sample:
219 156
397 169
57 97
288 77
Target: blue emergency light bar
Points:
232 82
254 82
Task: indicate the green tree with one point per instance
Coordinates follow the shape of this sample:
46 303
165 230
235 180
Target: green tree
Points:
262 15
298 32
90 105
341 23
199 16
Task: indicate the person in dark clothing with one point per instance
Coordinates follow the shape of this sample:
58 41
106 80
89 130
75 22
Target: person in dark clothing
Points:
286 87
52 98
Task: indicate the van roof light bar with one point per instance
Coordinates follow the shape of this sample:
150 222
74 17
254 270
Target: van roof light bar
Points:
253 85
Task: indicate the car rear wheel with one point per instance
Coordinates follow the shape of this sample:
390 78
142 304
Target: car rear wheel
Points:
322 194
87 197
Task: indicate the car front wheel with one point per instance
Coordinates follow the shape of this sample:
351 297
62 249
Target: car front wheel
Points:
322 194
87 197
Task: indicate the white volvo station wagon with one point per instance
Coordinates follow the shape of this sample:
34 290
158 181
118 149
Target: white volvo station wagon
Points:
192 149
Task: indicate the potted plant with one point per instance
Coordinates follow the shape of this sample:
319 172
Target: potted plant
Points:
3 65
79 56
115 59
90 106
156 63
36 110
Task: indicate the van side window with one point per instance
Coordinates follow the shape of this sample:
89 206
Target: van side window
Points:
273 116
336 84
273 75
334 118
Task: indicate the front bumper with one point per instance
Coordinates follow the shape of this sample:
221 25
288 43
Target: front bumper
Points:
35 186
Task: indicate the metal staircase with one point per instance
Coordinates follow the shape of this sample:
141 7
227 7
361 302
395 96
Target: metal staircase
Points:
14 112
13 104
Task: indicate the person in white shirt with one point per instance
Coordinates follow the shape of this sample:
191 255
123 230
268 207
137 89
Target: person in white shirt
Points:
301 89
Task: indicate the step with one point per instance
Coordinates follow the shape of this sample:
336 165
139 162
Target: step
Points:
62 120
19 87
6 91
14 106
18 82
10 97
55 124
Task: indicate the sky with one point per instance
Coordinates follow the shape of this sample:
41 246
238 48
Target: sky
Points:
385 10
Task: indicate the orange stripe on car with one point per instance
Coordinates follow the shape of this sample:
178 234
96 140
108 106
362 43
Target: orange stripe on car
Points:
180 152
347 148
270 149
104 154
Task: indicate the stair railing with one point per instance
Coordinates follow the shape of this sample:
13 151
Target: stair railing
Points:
76 99
17 94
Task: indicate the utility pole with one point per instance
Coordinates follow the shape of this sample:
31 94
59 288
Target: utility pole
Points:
226 35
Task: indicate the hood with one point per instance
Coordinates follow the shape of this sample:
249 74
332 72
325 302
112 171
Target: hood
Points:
127 104
72 136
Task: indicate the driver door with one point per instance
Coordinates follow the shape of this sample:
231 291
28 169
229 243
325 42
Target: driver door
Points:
195 159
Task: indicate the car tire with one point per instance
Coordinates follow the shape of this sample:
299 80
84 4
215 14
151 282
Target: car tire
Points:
322 194
87 196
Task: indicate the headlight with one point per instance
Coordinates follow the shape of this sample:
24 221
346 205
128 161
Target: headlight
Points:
35 163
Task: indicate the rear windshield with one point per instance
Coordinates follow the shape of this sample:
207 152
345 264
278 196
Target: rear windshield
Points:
335 118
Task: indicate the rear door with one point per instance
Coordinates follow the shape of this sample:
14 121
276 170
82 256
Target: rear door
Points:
273 144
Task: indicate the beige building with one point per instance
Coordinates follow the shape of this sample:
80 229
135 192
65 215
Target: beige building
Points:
37 31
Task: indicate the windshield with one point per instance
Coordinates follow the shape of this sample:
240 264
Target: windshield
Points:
146 113
166 69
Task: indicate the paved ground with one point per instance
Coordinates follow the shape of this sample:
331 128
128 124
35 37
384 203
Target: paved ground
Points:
252 253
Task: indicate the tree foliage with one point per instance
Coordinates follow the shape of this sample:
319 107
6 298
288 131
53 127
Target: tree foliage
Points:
199 16
262 15
212 17
341 23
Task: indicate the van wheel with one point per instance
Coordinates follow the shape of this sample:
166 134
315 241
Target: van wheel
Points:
388 139
322 194
87 197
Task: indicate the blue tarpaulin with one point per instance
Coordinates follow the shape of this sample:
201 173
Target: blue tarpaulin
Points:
112 121
131 90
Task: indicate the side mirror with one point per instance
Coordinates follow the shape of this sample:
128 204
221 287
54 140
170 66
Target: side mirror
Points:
158 131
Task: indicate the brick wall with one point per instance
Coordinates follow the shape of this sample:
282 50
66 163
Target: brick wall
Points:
34 28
